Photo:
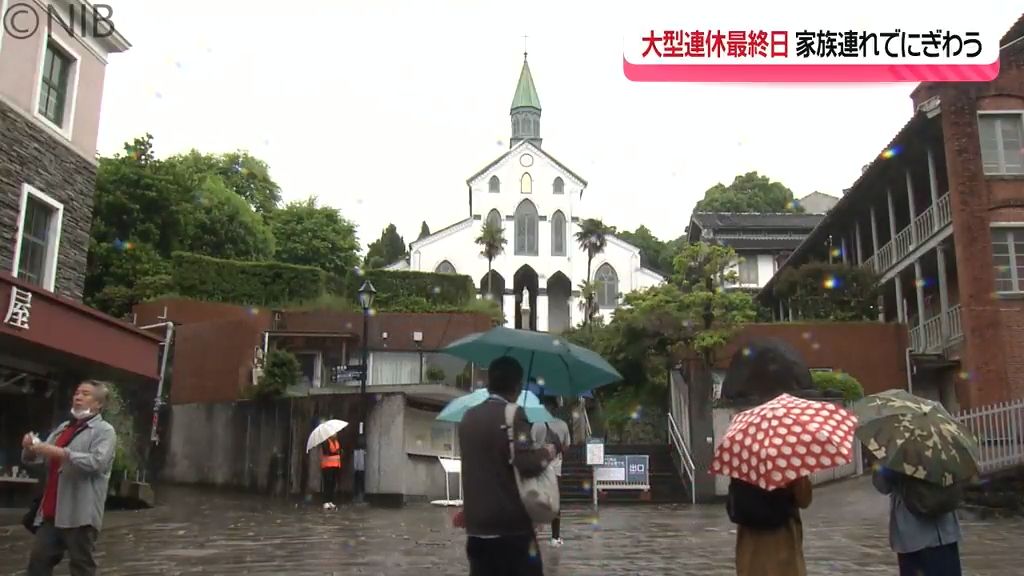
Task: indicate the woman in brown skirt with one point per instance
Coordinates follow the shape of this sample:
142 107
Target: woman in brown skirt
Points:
766 545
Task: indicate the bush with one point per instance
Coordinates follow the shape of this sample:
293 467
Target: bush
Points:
839 382
282 370
243 282
127 459
435 374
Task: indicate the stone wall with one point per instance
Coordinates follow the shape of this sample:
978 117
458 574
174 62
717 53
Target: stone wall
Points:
261 447
29 154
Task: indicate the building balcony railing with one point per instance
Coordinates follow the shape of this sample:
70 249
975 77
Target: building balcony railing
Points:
922 229
928 338
956 330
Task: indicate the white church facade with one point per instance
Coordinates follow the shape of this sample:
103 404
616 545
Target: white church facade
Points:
538 202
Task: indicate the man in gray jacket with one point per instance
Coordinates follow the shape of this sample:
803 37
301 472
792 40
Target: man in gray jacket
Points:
78 455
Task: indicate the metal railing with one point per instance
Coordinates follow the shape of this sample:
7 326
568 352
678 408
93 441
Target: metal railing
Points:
685 461
998 429
587 430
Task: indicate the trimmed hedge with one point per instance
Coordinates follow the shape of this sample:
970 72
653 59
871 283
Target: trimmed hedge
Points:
397 287
840 382
244 282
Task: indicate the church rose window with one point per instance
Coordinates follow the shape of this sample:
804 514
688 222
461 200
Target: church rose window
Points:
558 234
606 285
526 229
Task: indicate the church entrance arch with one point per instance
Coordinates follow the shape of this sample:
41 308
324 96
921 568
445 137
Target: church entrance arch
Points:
525 284
494 289
559 290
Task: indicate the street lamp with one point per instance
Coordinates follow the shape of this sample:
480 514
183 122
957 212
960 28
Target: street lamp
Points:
366 294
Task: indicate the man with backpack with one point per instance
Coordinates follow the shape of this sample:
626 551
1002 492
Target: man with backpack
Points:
501 536
924 531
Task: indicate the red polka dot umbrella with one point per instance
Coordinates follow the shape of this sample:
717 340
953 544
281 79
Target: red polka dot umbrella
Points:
785 439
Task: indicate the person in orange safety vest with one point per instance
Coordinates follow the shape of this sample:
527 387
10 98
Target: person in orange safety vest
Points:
330 469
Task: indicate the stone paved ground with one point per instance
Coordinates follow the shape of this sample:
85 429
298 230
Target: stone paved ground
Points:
197 532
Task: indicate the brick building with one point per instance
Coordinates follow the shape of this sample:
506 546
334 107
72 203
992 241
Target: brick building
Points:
51 84
940 216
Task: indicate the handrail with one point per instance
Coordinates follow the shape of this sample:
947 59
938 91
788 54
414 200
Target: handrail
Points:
686 461
586 419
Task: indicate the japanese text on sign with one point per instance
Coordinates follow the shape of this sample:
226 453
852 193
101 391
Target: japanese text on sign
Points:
18 308
809 44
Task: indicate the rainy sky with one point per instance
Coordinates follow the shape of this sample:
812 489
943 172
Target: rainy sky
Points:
379 107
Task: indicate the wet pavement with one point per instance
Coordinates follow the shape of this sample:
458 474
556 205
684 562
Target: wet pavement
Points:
202 532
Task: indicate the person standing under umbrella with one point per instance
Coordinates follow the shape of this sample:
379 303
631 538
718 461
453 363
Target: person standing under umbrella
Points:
330 467
924 546
554 432
501 537
769 534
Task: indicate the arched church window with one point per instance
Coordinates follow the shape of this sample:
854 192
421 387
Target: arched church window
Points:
526 184
445 267
494 185
526 229
494 218
606 286
559 186
558 234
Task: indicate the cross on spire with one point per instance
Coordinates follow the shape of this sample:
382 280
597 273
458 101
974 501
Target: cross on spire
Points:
524 46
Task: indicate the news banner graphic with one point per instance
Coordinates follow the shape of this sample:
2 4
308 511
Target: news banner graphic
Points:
778 55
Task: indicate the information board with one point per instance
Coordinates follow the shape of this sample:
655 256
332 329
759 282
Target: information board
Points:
631 469
595 452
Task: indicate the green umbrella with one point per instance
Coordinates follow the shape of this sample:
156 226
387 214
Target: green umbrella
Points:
916 437
456 409
562 368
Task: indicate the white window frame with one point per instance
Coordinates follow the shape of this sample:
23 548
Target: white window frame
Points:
318 364
53 242
598 291
1018 281
999 141
3 14
68 130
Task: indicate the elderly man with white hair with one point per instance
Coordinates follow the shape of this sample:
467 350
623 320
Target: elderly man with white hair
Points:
79 455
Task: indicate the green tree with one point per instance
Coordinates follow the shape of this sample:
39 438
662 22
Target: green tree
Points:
309 235
492 243
592 239
282 370
222 225
387 249
749 192
840 382
654 254
145 208
245 175
424 231
836 292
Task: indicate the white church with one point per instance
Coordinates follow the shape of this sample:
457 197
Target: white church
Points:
539 202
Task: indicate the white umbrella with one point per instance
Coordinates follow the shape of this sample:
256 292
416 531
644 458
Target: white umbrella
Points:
323 432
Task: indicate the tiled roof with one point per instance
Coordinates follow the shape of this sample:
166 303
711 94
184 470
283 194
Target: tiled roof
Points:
753 220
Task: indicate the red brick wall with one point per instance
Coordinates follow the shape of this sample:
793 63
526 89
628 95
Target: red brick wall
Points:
213 360
993 326
871 352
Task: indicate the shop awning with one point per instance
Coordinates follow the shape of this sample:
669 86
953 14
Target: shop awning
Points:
41 329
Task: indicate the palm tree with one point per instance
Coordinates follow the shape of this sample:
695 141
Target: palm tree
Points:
492 240
592 238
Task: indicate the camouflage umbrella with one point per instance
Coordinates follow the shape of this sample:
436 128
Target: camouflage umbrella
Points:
916 437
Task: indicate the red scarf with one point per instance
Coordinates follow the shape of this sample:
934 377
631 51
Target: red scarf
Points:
49 502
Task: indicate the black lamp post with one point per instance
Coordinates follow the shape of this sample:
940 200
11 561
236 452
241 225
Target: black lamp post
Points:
366 294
